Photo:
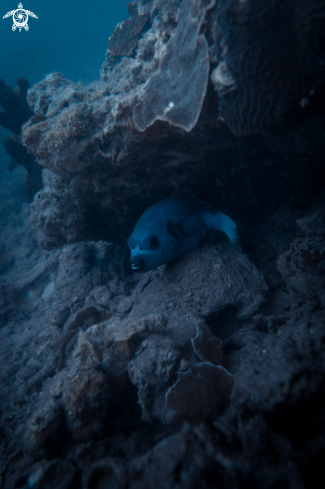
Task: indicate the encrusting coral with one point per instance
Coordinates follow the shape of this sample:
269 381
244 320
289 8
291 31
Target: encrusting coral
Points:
204 389
142 333
151 127
100 366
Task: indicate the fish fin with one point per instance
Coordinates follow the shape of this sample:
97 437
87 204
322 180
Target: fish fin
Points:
172 229
190 227
220 221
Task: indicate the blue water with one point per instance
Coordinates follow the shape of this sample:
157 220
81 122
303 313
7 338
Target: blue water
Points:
69 36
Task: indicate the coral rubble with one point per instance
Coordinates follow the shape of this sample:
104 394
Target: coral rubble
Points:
97 363
209 371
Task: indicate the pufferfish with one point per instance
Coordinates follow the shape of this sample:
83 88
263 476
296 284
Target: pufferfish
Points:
172 227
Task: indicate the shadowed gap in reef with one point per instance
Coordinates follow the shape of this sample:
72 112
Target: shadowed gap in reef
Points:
224 323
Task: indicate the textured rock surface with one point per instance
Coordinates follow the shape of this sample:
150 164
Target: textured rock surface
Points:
89 353
272 53
89 350
146 330
175 92
150 128
203 390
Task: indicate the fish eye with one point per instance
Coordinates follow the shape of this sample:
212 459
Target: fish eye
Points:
153 243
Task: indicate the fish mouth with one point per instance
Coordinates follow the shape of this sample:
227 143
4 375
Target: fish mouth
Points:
137 265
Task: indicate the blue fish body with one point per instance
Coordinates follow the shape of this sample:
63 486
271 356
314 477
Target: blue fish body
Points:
172 227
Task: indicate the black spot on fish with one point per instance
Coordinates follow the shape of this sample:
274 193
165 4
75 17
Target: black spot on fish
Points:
179 225
153 243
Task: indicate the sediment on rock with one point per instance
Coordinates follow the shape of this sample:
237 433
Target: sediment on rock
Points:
101 367
152 126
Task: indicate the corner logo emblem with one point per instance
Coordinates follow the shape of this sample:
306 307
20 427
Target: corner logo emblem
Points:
20 18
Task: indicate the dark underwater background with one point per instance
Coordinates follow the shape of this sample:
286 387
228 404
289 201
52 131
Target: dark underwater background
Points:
209 371
69 37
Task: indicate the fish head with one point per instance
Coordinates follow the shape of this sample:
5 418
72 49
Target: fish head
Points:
148 251
164 232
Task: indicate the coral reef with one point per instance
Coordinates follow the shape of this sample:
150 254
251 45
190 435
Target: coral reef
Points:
269 55
203 390
137 330
207 347
175 92
96 360
208 371
151 127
